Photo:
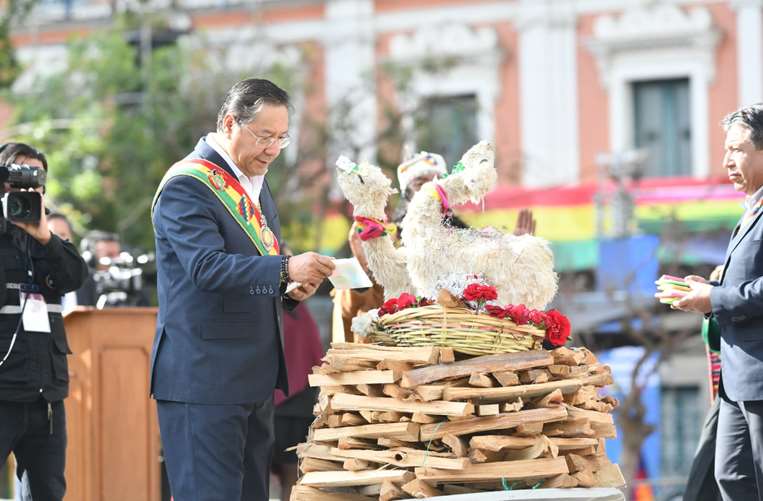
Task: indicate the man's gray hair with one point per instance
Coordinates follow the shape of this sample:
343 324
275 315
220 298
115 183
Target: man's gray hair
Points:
245 99
750 117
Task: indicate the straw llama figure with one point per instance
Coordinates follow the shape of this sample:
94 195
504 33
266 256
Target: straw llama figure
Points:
520 267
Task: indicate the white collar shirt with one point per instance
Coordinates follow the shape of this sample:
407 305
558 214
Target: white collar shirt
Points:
252 185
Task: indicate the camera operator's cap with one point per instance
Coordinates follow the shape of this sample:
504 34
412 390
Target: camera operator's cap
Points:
421 164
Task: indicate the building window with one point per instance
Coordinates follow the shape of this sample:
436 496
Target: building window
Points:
682 417
447 126
663 126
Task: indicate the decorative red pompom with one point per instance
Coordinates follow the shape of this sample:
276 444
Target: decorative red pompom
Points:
479 292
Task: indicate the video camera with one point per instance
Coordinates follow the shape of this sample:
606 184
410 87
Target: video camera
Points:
21 206
120 281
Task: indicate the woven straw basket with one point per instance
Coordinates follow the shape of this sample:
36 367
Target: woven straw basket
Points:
459 328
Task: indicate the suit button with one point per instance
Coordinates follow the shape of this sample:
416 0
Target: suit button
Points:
251 291
270 290
258 290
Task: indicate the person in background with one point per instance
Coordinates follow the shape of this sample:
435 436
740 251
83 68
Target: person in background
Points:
60 225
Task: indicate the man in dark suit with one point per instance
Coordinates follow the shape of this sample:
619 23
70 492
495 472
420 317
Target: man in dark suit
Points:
736 302
218 351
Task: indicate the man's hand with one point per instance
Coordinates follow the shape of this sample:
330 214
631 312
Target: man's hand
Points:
39 231
310 267
698 300
525 223
303 292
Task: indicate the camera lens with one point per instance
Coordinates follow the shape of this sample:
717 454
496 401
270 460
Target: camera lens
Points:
18 207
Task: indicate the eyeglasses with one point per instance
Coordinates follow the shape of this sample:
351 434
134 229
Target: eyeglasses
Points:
268 141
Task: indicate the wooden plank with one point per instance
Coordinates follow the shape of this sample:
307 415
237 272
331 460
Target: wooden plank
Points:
567 386
570 428
401 431
352 419
355 443
501 422
483 456
487 363
390 491
497 443
553 399
447 355
394 391
609 476
509 470
563 481
355 464
506 378
364 353
421 418
404 457
316 451
369 390
565 444
352 478
305 493
342 401
567 371
593 416
529 429
358 377
568 356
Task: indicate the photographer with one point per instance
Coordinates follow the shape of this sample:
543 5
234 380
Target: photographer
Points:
36 269
116 276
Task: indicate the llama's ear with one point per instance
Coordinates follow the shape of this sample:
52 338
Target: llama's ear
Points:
346 165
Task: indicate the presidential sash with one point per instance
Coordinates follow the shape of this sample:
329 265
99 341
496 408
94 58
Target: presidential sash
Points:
233 197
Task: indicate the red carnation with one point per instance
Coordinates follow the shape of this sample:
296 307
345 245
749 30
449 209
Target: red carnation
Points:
406 301
537 317
497 311
520 314
479 292
557 328
389 306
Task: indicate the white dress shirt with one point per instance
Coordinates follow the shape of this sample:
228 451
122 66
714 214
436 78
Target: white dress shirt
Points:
252 185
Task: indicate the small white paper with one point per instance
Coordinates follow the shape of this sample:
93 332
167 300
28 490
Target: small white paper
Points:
35 317
348 274
291 286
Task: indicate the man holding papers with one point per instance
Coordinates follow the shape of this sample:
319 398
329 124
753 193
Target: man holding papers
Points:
736 303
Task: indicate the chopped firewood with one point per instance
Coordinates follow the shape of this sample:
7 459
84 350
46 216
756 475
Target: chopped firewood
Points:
601 447
585 478
588 357
369 390
482 456
529 429
355 464
316 451
427 392
567 356
369 490
447 355
458 418
604 430
533 376
314 464
334 421
342 401
394 391
559 371
350 478
593 416
405 457
553 399
480 381
576 462
390 491
355 443
514 406
570 428
582 395
509 470
325 369
506 378
497 443
487 363
596 405
351 364
488 395
456 444
609 476
500 422
352 419
422 418
392 417
369 416
347 378
397 367
563 481
402 431
609 399
305 493
452 489
332 390
390 443
420 489
488 410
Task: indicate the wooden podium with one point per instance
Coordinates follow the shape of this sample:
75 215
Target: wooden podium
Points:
113 449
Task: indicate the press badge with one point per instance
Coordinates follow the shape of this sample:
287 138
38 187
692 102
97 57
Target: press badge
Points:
35 317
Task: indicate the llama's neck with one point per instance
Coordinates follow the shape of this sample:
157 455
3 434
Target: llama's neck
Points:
371 207
424 211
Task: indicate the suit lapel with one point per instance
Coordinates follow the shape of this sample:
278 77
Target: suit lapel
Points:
740 233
